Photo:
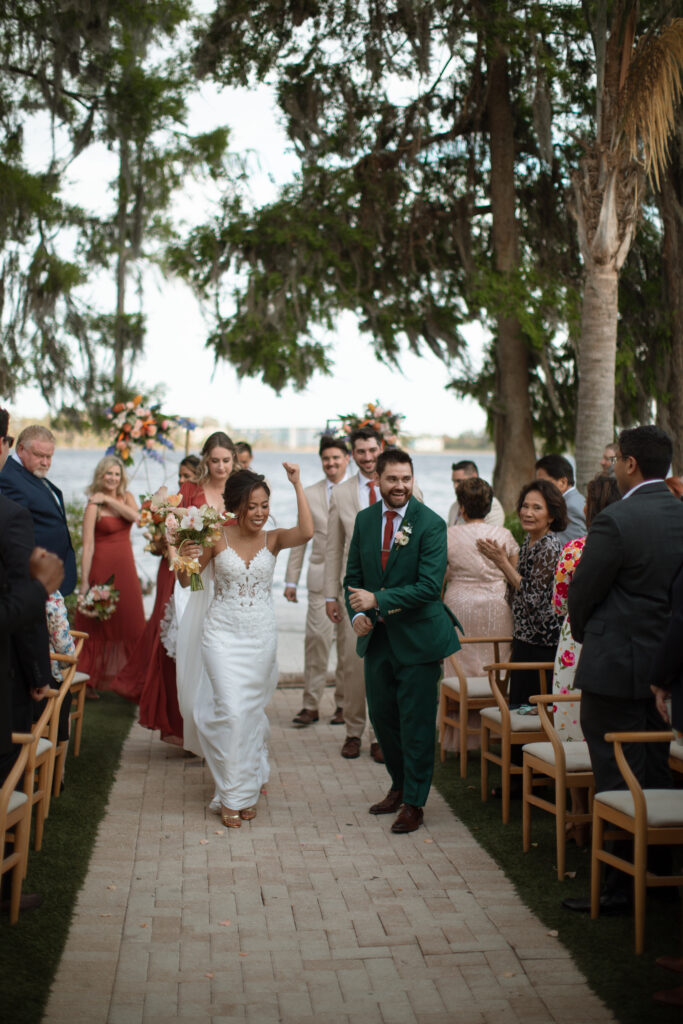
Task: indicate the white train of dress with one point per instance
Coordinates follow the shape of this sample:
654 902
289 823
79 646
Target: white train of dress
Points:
239 654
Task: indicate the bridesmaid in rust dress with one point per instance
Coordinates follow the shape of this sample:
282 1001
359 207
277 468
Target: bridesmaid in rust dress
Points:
149 675
107 551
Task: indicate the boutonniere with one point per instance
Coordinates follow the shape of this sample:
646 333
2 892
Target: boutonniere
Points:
403 535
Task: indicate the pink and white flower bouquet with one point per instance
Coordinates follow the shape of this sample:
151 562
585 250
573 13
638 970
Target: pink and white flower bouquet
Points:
201 526
153 517
100 601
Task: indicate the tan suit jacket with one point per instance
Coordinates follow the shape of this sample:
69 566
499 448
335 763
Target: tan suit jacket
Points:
317 500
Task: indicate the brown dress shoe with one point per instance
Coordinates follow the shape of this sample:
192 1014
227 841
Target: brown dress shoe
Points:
376 753
390 804
305 717
351 747
409 819
337 717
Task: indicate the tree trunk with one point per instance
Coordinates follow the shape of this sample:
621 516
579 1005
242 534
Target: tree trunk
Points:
121 264
671 209
513 435
596 365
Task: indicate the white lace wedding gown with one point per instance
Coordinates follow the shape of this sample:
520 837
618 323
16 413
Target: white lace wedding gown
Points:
239 653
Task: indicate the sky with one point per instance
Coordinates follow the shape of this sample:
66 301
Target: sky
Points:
174 352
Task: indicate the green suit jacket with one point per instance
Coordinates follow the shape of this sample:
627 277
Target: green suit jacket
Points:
419 627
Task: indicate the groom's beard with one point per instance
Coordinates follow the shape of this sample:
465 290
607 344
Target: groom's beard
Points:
395 498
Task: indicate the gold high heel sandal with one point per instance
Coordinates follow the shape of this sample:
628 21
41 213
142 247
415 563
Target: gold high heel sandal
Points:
231 819
248 813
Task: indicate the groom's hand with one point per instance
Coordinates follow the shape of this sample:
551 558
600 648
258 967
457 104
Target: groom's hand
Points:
361 600
362 625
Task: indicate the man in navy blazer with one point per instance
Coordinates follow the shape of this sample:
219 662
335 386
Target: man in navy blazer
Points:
24 480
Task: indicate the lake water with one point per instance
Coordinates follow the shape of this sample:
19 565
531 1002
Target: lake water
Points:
72 470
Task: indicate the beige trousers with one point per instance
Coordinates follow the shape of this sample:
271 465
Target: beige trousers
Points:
320 633
355 706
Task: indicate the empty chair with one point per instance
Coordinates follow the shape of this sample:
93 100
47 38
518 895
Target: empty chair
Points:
15 823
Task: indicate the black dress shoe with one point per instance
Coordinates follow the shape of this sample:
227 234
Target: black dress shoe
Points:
610 903
409 819
337 717
391 803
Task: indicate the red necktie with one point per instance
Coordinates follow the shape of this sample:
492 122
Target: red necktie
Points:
388 536
372 492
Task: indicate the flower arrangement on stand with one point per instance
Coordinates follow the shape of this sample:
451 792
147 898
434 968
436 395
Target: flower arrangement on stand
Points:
199 525
139 425
100 601
374 415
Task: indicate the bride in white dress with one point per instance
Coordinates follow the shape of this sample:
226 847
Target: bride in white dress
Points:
239 642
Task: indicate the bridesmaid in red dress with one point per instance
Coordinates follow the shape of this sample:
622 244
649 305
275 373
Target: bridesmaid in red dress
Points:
107 551
148 677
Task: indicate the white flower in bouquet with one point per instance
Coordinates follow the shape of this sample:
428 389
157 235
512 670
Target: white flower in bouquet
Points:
199 525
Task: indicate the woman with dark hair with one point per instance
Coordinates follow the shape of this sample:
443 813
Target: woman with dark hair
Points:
239 642
536 628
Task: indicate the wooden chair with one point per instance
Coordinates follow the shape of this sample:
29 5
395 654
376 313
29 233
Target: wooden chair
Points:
460 695
564 764
650 816
78 688
40 767
676 756
509 727
61 746
15 823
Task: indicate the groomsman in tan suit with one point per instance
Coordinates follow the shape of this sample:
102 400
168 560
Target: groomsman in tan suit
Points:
320 630
359 492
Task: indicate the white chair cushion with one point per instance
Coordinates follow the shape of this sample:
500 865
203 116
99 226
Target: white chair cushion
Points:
676 750
477 686
576 756
664 806
80 677
43 746
16 800
518 723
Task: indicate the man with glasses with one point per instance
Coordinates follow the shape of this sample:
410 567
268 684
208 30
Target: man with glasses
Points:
609 457
24 480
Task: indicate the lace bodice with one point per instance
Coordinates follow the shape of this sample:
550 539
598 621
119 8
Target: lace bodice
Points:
243 593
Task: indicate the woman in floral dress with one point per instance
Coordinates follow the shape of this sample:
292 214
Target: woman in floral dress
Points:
600 493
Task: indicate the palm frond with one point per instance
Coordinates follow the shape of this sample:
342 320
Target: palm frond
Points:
650 97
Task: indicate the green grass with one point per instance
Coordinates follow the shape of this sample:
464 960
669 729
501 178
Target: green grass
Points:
30 950
603 949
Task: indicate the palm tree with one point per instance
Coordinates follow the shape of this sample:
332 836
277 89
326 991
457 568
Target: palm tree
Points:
637 90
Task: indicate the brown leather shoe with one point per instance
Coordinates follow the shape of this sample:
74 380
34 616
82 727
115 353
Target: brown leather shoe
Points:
376 753
337 717
390 804
351 747
409 819
305 717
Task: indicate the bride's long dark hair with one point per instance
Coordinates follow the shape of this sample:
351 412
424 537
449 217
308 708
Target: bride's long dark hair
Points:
239 488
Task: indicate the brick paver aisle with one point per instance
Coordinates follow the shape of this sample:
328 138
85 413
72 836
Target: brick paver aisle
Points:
311 914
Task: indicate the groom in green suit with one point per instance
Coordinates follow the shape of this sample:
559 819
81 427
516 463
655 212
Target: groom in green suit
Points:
394 573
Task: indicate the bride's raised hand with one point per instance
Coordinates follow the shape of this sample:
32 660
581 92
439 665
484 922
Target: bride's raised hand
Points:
188 549
292 471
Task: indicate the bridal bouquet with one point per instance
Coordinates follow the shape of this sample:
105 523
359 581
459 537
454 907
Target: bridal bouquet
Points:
201 526
153 517
100 601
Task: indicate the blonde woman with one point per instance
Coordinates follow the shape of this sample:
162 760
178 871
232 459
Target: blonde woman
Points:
107 551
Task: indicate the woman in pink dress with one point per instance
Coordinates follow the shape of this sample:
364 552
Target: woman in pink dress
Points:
149 675
107 552
476 588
